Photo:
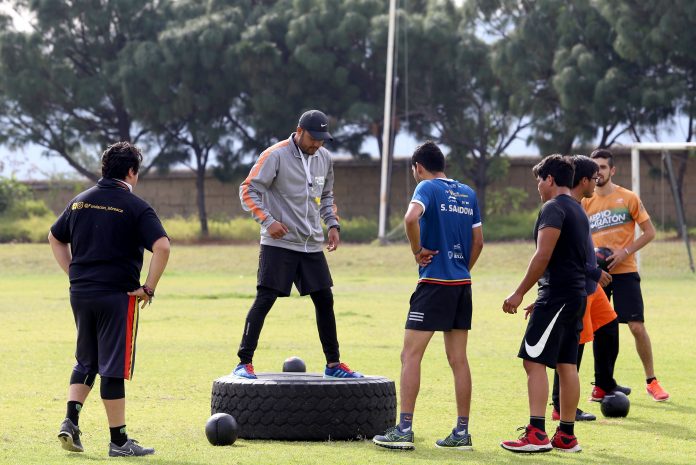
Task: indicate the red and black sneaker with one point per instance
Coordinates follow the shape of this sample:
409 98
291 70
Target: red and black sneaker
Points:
532 440
598 393
565 442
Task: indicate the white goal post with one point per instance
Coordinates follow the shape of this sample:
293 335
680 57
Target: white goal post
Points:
664 147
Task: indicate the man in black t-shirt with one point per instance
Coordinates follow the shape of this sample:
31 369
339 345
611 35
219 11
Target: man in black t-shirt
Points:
553 331
99 241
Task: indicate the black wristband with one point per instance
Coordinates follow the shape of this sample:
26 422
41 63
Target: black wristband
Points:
337 227
149 291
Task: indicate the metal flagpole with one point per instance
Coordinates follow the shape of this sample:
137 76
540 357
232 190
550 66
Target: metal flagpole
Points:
386 133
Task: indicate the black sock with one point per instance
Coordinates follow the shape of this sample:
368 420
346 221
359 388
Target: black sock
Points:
538 422
567 427
650 380
118 435
73 413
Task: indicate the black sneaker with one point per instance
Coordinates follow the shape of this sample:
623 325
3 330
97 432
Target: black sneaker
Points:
69 436
130 449
625 389
579 415
584 416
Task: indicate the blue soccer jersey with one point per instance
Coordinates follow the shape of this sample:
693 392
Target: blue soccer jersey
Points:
450 213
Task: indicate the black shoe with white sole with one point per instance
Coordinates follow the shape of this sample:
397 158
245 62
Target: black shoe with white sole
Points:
69 436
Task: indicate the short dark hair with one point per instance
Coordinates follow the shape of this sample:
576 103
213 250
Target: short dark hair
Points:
119 158
558 166
585 167
604 153
429 156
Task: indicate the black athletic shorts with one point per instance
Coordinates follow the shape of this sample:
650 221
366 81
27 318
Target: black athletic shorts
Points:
553 331
107 327
435 307
627 297
279 268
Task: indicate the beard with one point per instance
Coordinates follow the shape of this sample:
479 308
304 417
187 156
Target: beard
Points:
603 182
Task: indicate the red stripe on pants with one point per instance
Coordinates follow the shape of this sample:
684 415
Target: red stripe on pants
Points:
132 303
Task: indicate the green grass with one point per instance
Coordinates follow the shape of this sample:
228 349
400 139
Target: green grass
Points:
189 337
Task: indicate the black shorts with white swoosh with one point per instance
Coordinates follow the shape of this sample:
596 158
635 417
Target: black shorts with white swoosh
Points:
553 331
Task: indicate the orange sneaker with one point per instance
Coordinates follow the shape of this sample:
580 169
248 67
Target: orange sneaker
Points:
655 390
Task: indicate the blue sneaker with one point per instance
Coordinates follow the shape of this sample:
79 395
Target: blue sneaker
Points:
244 370
394 438
341 371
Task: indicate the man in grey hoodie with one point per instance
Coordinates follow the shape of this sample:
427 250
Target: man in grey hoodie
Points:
287 191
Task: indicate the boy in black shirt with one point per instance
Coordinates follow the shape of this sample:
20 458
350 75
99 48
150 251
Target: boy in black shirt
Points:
553 331
98 241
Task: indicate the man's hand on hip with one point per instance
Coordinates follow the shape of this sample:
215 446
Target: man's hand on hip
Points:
277 230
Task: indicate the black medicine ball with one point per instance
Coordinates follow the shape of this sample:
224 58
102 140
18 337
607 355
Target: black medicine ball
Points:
221 429
615 405
294 364
602 253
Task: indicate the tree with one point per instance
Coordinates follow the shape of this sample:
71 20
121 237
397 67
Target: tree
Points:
658 37
584 91
460 101
182 86
61 82
314 54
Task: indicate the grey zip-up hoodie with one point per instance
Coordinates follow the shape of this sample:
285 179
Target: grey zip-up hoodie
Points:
282 187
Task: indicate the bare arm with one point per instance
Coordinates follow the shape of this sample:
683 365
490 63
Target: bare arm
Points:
476 245
422 255
160 257
546 242
620 255
61 252
647 236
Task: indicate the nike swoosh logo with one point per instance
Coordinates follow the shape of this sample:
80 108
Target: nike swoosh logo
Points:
536 350
324 125
124 452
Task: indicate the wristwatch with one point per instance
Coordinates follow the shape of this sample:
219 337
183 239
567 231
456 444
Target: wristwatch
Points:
338 228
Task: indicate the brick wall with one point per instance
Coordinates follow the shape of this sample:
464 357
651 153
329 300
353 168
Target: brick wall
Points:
357 189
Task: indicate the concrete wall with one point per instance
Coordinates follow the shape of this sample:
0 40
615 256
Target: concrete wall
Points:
357 189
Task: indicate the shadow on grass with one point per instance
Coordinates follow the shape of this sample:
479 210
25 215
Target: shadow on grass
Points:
671 406
672 430
218 296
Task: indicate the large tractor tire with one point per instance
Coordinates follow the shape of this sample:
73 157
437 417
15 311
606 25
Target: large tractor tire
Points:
304 406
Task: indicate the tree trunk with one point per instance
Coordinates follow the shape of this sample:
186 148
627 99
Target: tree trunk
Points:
200 193
681 174
79 168
481 182
481 185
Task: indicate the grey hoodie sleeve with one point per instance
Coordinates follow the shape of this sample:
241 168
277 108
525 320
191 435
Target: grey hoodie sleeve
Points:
327 207
260 178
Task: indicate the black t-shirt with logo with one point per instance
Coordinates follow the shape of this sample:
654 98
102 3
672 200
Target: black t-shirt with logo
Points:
107 227
565 273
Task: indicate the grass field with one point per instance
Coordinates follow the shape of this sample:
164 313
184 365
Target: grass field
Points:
189 337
